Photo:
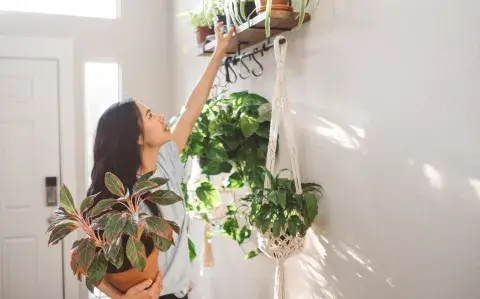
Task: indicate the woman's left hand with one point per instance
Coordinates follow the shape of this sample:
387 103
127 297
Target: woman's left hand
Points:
222 41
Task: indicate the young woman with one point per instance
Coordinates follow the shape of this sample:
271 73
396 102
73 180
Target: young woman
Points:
130 141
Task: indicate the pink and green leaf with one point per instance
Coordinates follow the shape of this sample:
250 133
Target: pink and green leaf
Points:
136 254
66 200
141 187
86 253
164 197
114 185
115 254
103 205
114 227
97 269
162 244
60 232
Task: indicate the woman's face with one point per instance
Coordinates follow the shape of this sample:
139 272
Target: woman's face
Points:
155 129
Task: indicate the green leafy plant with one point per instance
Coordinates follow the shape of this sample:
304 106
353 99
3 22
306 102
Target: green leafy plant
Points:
116 230
280 208
199 19
231 136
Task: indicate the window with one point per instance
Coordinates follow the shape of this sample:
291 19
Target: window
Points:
102 89
106 9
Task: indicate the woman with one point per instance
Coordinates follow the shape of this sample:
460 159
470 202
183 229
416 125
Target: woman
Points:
131 141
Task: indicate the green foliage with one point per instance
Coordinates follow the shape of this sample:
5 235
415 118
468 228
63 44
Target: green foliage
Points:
191 250
281 208
232 133
105 228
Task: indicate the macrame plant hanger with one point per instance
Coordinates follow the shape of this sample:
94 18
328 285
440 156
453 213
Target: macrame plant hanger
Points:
284 246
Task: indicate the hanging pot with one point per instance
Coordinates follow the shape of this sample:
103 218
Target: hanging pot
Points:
280 5
282 247
203 33
125 280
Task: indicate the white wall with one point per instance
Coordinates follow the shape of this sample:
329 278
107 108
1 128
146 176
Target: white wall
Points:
386 106
137 41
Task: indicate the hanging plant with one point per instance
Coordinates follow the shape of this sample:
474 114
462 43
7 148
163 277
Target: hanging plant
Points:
231 136
120 244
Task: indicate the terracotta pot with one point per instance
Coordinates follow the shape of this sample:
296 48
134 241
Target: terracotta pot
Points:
202 33
282 5
123 281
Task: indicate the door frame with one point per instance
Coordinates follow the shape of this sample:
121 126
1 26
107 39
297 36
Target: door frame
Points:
61 51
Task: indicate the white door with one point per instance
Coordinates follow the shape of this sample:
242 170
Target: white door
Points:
29 153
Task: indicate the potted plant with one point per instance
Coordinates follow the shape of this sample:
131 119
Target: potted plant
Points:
121 244
286 6
202 24
280 212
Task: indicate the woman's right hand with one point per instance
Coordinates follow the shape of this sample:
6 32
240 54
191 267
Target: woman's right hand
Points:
146 289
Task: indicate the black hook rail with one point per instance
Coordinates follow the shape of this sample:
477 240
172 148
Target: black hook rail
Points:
230 74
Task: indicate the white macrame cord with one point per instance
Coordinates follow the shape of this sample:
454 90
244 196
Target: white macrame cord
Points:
284 246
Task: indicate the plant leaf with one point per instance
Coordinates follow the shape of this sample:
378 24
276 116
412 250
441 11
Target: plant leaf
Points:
66 200
100 222
292 227
131 226
145 176
234 181
136 254
311 207
161 244
251 254
90 286
86 204
282 197
208 194
191 249
159 181
114 185
74 264
277 227
141 187
114 227
264 113
115 254
103 206
86 253
174 226
273 197
249 125
159 227
97 269
164 197
60 232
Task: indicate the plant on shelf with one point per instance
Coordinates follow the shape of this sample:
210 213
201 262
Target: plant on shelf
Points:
240 11
202 24
287 6
121 243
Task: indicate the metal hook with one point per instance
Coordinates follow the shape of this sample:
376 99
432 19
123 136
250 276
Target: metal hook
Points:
259 64
228 69
246 67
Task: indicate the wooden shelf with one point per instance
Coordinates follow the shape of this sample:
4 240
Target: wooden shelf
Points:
249 36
